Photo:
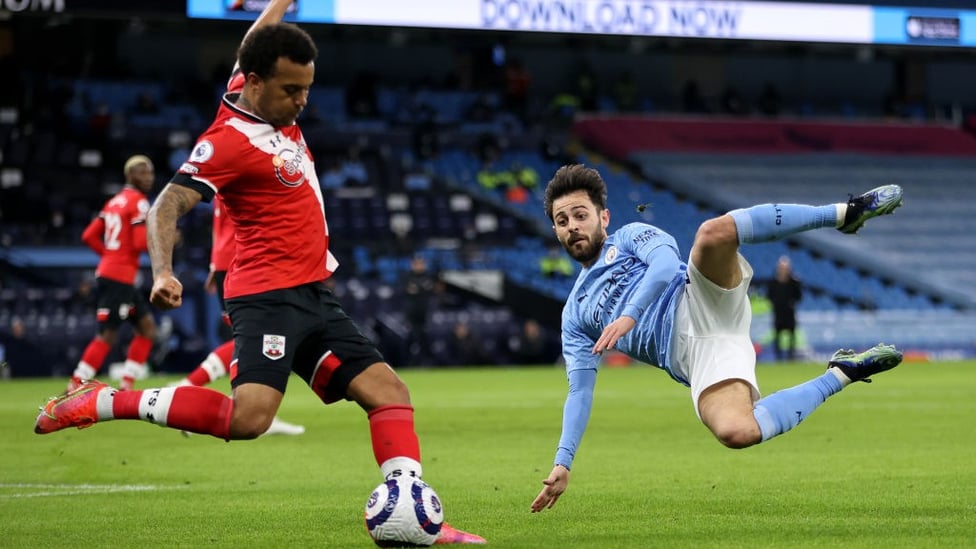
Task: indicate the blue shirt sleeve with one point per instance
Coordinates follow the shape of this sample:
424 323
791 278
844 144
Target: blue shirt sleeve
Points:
659 251
577 346
663 262
576 414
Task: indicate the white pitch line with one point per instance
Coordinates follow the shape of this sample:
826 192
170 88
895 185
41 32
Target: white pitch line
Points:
74 489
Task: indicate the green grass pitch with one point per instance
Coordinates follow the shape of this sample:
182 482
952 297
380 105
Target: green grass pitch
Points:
891 464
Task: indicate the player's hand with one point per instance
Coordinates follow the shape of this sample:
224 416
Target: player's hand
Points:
167 292
211 283
612 333
554 487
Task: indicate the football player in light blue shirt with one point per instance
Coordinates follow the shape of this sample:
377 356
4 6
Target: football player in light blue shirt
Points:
692 320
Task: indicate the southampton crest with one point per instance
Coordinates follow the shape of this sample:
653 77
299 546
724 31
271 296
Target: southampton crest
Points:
273 347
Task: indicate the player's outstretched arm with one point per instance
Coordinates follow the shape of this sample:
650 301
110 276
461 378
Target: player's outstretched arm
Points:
273 13
576 415
554 487
161 237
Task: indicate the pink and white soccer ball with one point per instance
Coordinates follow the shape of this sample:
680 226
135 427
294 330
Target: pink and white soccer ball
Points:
404 512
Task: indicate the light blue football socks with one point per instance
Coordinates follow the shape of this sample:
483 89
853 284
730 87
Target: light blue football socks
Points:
768 222
784 410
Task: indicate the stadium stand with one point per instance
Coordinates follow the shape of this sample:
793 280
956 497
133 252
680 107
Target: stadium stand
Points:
928 249
876 285
417 151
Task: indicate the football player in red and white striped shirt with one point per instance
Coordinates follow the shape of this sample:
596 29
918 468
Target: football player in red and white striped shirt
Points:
118 236
285 318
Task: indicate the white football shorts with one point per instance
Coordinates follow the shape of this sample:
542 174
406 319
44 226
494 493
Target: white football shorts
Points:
711 333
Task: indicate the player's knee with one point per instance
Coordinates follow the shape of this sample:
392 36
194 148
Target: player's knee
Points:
378 386
149 331
737 435
249 426
715 232
393 389
109 336
147 327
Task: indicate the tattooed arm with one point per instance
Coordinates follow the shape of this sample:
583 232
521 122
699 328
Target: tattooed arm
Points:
161 238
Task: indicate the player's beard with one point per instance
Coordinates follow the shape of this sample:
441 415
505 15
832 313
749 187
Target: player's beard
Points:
588 249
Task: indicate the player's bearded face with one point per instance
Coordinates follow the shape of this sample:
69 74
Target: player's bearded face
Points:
282 97
580 228
585 247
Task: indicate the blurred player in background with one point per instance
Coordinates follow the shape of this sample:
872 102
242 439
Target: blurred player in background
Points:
784 292
285 319
118 236
692 320
217 364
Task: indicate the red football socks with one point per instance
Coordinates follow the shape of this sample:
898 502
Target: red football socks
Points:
139 349
193 409
214 366
392 431
92 359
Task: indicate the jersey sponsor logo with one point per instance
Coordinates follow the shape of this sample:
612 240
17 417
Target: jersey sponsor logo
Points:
288 166
202 152
274 346
646 236
611 255
189 169
615 284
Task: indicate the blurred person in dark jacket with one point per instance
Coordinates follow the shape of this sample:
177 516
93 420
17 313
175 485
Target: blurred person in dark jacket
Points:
418 285
784 292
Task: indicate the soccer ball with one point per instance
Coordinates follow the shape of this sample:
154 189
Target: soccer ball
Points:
404 511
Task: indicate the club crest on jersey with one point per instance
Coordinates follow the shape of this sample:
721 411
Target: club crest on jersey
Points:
611 255
274 346
288 166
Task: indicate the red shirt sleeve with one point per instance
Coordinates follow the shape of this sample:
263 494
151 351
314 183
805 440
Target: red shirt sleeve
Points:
93 235
139 237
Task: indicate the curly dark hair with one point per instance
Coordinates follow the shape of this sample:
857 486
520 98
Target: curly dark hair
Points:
261 48
572 178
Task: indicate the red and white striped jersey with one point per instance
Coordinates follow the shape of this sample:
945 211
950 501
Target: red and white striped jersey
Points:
265 177
118 235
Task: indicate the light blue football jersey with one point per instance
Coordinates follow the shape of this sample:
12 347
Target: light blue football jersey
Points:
639 273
